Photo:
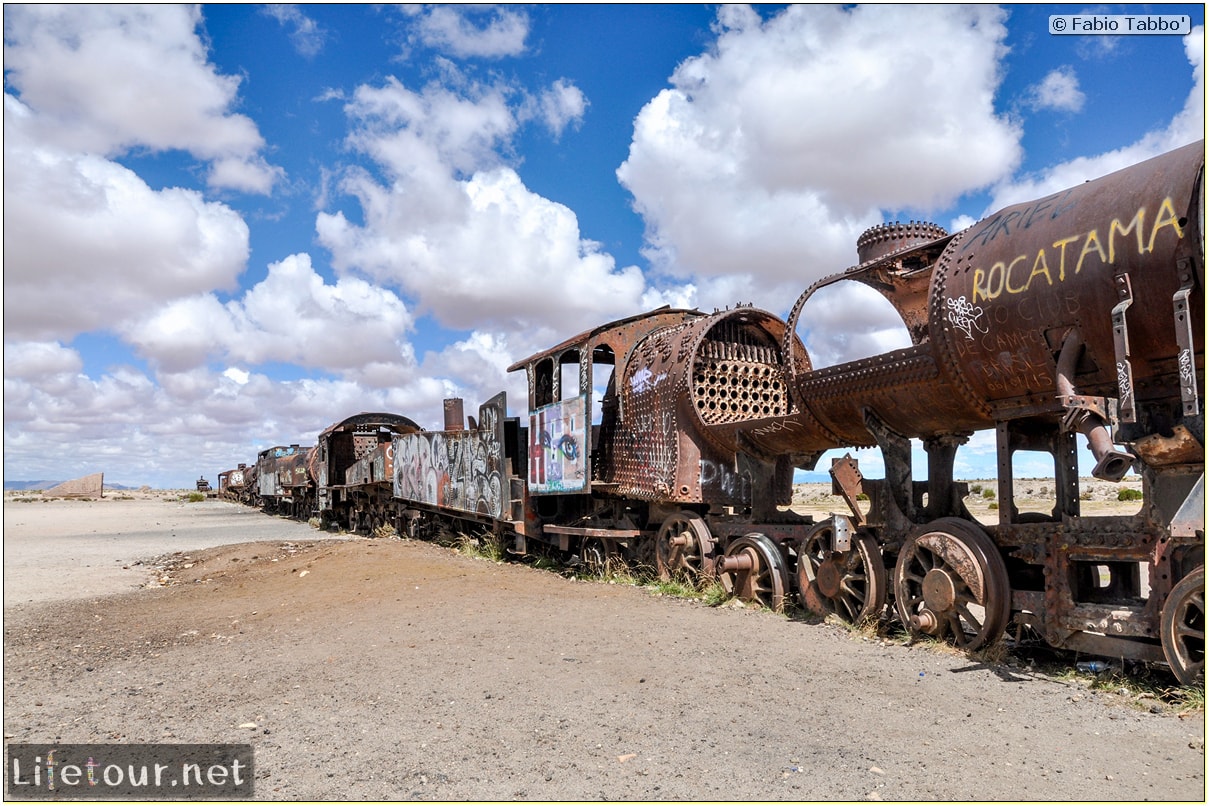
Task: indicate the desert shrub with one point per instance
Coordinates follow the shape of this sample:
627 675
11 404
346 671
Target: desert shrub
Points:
1129 494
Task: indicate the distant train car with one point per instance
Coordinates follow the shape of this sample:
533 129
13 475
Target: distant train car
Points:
353 470
283 480
473 472
238 484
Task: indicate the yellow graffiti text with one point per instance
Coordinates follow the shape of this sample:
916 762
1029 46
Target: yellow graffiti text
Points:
1009 277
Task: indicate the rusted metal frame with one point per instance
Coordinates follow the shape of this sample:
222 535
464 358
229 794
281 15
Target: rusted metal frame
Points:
1190 517
1042 436
583 531
1113 647
1120 331
889 275
943 497
896 454
1189 395
846 481
783 534
1122 628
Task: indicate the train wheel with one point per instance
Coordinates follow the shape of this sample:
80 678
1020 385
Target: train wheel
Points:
754 570
851 584
1183 627
950 582
684 548
595 556
645 559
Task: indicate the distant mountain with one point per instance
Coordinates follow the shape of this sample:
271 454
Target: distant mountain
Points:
46 485
29 485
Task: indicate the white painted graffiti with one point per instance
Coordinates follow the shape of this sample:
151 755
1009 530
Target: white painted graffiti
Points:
458 470
724 479
644 380
776 427
965 316
1124 380
1187 375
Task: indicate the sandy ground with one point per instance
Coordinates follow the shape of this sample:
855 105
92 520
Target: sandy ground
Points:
395 669
69 549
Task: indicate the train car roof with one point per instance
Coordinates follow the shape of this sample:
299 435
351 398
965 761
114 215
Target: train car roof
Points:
292 448
395 422
596 331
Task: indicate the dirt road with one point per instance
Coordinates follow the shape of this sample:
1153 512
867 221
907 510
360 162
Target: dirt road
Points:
389 669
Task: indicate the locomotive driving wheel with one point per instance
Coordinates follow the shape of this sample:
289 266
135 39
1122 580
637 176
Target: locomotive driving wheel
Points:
684 548
951 583
754 570
851 584
1183 627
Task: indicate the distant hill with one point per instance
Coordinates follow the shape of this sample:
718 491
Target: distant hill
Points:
46 485
29 485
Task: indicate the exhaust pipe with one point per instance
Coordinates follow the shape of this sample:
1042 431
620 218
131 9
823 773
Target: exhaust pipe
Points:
1089 416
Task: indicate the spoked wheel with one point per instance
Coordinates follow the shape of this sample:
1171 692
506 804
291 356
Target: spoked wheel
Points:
951 583
1183 627
684 548
754 570
851 584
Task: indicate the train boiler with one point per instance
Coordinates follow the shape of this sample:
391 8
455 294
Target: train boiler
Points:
1076 316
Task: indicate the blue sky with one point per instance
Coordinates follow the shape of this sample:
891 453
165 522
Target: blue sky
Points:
228 226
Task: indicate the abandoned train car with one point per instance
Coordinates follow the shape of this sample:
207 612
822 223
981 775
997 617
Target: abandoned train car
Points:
670 439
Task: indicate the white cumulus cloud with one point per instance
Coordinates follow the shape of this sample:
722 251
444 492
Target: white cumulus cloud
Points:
456 230
88 244
772 151
292 316
469 31
1058 90
109 78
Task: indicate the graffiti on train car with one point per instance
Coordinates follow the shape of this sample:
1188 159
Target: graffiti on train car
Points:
558 446
460 470
1003 276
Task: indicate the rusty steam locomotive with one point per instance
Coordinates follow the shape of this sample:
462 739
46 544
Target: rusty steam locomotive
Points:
1076 316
